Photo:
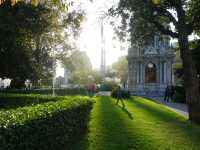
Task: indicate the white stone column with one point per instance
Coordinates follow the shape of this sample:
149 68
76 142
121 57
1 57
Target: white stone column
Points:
168 73
134 70
160 67
157 72
143 73
138 69
172 74
165 72
129 74
140 74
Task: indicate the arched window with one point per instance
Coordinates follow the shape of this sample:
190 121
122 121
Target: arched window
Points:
150 73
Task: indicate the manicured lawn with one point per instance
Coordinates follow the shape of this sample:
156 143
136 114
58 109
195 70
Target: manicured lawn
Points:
142 125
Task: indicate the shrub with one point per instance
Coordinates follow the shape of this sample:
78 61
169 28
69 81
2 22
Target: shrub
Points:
8 101
48 126
179 95
125 94
59 92
107 86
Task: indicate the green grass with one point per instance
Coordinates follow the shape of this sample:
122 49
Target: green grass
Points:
142 125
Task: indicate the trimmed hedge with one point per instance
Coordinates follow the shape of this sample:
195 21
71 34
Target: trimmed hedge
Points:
124 94
8 101
59 92
48 126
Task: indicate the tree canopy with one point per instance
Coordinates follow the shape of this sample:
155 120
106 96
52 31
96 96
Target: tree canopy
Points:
80 66
143 18
29 34
121 69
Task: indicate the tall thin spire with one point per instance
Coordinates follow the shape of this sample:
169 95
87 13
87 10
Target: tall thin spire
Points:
103 52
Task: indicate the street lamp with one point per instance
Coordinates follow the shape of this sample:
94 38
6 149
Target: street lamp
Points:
54 67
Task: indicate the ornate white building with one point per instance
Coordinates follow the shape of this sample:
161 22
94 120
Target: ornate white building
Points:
150 67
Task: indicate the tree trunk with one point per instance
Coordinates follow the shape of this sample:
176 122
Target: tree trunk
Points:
191 81
194 112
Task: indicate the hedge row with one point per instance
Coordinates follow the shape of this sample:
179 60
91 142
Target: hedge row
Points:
48 126
8 101
59 92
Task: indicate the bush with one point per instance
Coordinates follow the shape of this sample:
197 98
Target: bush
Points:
8 101
59 92
48 126
179 95
108 86
125 94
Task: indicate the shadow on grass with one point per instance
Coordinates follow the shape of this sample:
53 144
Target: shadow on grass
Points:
178 106
109 129
153 108
169 119
123 108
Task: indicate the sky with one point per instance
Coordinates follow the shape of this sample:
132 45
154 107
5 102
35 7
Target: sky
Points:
90 36
90 39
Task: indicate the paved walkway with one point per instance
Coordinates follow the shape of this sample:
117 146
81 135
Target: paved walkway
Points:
180 108
104 93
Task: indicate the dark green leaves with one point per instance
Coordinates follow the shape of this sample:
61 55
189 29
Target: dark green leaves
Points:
52 125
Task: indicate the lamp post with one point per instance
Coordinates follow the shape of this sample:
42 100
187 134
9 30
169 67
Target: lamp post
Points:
53 79
54 67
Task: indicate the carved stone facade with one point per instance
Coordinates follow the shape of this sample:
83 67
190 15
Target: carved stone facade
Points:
150 67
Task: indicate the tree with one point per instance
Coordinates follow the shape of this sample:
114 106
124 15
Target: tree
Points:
78 60
34 2
146 16
27 40
121 68
19 25
195 50
80 66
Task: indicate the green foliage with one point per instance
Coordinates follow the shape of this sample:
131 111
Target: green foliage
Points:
121 68
195 51
78 60
48 126
59 92
29 33
142 19
20 24
108 86
10 101
124 94
194 14
80 66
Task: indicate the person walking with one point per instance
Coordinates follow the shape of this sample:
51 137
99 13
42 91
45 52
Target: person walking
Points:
167 94
119 96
